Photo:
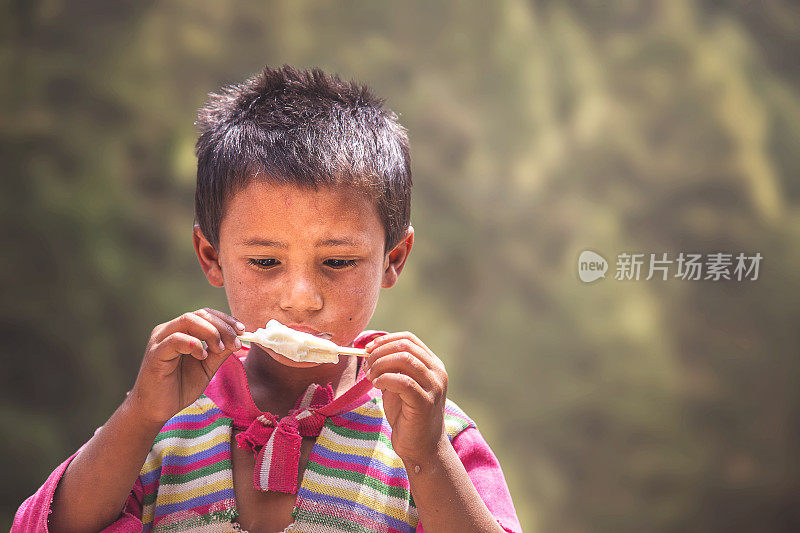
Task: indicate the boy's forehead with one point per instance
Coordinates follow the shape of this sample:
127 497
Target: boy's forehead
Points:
268 214
289 194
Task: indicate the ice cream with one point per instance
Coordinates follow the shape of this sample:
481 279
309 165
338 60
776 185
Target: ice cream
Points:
297 345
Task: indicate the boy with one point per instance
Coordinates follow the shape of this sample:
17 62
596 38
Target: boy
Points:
302 211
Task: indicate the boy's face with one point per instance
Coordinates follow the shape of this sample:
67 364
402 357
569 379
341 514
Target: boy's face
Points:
313 260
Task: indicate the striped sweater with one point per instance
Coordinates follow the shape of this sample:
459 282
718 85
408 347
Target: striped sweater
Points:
353 479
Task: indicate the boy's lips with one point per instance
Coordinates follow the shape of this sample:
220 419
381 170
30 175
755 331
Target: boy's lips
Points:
312 331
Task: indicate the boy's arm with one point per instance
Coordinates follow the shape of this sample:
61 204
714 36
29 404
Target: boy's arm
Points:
34 512
445 496
487 477
414 385
96 484
175 370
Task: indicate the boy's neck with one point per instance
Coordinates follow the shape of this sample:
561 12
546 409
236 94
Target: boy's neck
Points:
276 387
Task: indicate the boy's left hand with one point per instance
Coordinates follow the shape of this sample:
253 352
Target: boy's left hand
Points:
414 385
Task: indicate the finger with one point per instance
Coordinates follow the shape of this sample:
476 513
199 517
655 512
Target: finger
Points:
404 363
390 337
214 361
197 326
177 344
235 324
410 392
227 331
403 344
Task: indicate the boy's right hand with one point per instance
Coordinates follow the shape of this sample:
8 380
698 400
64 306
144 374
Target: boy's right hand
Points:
176 369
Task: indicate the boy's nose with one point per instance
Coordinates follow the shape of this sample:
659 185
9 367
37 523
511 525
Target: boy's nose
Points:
301 294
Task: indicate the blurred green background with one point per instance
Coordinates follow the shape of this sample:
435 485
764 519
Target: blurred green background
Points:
538 130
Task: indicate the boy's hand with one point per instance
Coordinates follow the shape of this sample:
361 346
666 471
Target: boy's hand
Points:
414 385
176 368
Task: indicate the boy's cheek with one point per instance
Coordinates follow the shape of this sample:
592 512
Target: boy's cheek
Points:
253 314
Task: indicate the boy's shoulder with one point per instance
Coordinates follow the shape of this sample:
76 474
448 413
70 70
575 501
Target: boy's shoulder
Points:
455 419
200 426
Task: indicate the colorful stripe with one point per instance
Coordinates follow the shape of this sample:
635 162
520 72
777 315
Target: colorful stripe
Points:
187 477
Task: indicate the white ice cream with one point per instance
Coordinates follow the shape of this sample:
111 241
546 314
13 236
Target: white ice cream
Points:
295 345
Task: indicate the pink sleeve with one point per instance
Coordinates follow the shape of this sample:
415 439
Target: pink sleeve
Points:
34 512
487 477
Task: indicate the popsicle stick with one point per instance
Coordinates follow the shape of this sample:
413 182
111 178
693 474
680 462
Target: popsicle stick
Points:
358 352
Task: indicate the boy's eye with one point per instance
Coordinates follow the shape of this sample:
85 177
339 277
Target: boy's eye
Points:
340 263
263 263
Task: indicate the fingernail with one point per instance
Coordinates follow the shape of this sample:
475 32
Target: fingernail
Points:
221 346
205 354
370 345
240 326
237 344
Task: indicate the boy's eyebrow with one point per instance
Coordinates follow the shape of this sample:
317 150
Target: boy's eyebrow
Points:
254 241
343 241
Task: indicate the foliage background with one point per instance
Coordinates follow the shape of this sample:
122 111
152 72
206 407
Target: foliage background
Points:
538 130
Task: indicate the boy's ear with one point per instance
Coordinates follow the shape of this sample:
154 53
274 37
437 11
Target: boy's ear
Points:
396 259
209 258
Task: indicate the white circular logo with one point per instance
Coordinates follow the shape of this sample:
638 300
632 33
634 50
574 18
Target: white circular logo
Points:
591 266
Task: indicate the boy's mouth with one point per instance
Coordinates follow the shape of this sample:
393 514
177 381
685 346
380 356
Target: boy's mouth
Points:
304 329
